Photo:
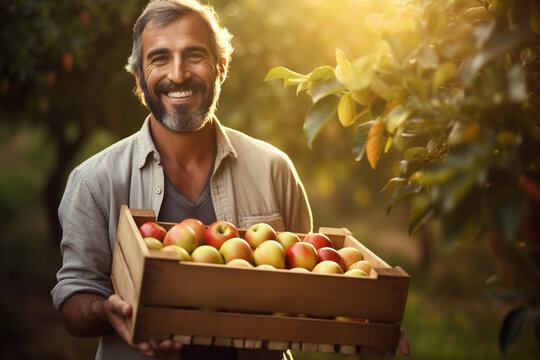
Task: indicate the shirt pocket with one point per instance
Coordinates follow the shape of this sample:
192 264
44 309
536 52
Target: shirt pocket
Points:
275 220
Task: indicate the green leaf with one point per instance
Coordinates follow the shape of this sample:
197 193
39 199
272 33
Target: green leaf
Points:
427 58
325 87
458 227
511 327
415 154
401 194
320 73
507 209
445 72
394 180
318 116
456 190
360 139
289 77
421 210
362 72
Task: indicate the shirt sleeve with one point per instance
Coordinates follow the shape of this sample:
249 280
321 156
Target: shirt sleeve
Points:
85 243
298 216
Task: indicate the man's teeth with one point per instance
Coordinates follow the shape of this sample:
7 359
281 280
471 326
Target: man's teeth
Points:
180 94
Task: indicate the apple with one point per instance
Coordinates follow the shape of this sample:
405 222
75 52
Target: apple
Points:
287 238
328 253
363 265
197 226
239 262
153 243
355 272
301 254
207 254
265 267
236 248
180 251
183 236
270 252
299 269
350 255
219 232
327 267
153 230
318 240
258 233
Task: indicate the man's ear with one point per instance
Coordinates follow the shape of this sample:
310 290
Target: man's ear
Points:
222 66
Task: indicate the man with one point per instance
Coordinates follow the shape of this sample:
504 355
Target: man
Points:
182 163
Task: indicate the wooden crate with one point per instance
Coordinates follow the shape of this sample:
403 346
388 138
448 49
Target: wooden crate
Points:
230 306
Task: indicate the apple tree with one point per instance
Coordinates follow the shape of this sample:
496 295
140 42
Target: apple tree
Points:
453 86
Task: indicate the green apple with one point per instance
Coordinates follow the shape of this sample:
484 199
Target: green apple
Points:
239 262
207 254
182 253
183 236
236 248
350 255
355 272
258 233
270 252
287 238
153 243
265 267
327 267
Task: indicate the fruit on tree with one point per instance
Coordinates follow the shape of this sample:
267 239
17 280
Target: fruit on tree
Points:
327 267
328 253
270 252
153 243
182 253
153 230
219 232
236 248
301 254
207 254
287 238
350 255
318 240
258 233
183 236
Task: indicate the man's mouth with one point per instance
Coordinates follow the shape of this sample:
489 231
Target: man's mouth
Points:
180 94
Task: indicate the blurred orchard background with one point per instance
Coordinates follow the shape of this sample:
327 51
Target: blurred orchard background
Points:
64 95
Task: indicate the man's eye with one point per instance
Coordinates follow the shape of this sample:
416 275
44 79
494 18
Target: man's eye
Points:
195 56
158 59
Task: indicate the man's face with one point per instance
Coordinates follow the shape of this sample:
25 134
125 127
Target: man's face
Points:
181 81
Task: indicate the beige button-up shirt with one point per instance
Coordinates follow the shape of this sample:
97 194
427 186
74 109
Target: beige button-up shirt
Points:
252 182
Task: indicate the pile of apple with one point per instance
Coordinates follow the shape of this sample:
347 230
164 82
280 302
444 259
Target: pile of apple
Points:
261 247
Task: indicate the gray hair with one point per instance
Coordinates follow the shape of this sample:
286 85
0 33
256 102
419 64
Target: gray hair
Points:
162 12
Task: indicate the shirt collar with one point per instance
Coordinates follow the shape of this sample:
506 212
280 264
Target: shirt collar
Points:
147 146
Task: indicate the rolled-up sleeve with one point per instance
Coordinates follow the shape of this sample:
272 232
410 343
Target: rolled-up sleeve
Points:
85 243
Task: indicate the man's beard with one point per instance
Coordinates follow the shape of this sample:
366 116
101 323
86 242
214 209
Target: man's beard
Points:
180 119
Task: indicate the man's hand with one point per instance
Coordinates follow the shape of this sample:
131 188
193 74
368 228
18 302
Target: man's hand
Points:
403 344
118 311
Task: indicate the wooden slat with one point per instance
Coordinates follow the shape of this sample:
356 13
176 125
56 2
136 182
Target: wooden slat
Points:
184 339
278 345
223 341
202 340
162 322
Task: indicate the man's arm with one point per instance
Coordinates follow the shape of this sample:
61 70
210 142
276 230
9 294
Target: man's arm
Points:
86 314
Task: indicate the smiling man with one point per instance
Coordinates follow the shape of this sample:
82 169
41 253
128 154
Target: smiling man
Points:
182 164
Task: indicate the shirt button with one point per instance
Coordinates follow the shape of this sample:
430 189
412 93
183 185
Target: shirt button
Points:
158 190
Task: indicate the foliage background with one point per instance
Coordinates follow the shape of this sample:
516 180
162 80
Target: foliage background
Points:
64 95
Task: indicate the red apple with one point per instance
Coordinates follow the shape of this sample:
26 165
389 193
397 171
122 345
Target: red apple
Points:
153 230
355 272
183 236
270 252
350 255
153 243
327 267
301 254
258 233
239 262
318 240
328 253
207 254
197 226
363 265
265 267
182 253
287 238
219 232
236 248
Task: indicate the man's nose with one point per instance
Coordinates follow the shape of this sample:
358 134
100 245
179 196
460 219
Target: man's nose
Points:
179 72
